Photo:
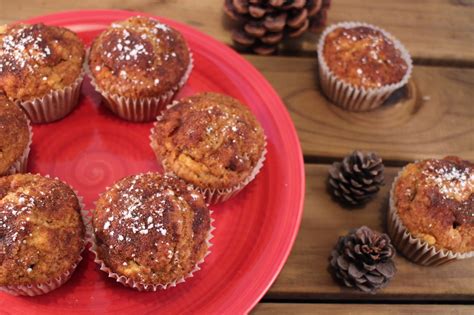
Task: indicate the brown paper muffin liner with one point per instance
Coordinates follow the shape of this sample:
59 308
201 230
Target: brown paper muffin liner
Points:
145 286
20 165
213 195
46 287
350 97
415 249
55 105
141 109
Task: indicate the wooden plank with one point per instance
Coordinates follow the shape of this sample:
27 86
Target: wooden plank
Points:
356 309
438 31
434 120
306 276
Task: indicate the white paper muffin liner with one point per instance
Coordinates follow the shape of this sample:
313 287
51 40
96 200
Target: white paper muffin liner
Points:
55 105
141 109
350 97
415 249
20 165
46 287
213 195
144 286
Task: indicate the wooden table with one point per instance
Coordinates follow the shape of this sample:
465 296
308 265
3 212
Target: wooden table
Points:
435 118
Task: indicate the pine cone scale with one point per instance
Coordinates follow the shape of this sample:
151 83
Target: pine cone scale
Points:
363 259
279 18
357 178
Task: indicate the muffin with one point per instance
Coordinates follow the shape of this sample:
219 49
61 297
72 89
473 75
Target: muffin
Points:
431 216
212 141
360 65
41 69
138 65
41 234
15 138
151 231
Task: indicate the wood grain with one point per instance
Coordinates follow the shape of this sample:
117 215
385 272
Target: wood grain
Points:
435 119
434 31
356 309
306 276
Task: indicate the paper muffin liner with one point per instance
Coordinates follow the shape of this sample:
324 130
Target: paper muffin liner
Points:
20 165
214 195
415 249
55 105
46 287
354 98
144 286
141 109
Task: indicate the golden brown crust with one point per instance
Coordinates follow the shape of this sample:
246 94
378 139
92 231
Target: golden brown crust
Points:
41 230
36 59
14 134
209 140
435 201
363 57
151 228
139 57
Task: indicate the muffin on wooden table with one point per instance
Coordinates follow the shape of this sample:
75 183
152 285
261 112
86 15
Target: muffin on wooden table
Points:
431 216
212 141
41 69
15 138
361 65
138 65
151 231
41 234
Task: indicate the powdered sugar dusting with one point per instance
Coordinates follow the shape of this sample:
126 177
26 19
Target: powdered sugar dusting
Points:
452 181
133 199
15 208
22 49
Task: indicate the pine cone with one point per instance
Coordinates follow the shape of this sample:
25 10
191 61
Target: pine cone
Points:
263 24
363 259
358 178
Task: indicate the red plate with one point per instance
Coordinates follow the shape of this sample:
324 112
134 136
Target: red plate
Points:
90 149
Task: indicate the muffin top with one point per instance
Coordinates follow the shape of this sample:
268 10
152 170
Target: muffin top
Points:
41 230
210 140
139 57
36 59
363 57
435 201
151 228
14 134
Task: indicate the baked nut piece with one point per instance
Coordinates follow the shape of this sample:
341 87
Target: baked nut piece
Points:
211 141
151 231
360 65
139 59
41 66
363 57
15 138
434 201
41 233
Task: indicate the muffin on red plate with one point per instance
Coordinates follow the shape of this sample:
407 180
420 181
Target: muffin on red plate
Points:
431 216
360 65
15 138
41 69
151 231
41 234
211 141
138 65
